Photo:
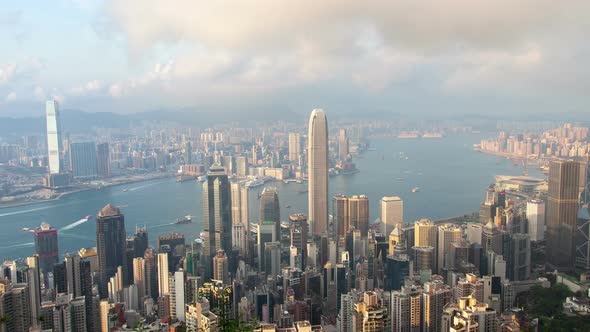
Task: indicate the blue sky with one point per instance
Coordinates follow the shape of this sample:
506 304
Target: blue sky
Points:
455 56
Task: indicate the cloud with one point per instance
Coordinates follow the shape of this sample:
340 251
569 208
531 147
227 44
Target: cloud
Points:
10 97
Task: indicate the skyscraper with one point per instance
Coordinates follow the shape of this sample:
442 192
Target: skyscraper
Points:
103 160
342 144
294 148
318 171
217 216
447 235
562 213
46 247
220 268
298 223
163 279
535 214
83 160
406 307
358 212
392 212
110 245
270 210
54 143
34 283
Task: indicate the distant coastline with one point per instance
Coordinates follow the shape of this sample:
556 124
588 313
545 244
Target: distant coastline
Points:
64 194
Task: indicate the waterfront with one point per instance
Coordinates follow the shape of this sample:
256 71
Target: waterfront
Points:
452 179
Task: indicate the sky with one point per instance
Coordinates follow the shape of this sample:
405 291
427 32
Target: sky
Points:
391 56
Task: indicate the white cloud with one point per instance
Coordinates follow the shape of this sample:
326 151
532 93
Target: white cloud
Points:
7 72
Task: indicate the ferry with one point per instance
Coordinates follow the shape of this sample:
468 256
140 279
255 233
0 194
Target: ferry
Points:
415 190
125 190
88 217
184 220
202 178
287 206
26 229
400 179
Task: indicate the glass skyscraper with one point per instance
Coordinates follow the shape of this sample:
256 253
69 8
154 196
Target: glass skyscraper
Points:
54 143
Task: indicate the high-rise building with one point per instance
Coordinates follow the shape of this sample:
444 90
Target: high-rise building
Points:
140 277
298 226
220 267
392 212
46 246
217 216
562 213
14 304
54 142
272 258
178 295
435 297
447 235
34 283
69 313
406 308
83 160
318 171
518 257
426 235
163 275
270 209
351 212
267 232
423 258
535 214
110 245
103 160
241 166
371 314
342 144
294 147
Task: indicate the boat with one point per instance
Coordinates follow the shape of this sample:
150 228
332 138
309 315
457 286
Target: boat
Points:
287 206
88 217
415 190
26 229
302 191
184 220
400 179
202 178
183 178
125 190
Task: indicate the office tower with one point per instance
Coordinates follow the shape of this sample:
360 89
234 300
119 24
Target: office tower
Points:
103 160
469 314
79 285
46 247
174 245
270 210
298 229
140 242
188 153
163 279
54 142
110 245
447 234
220 267
340 215
426 235
267 232
392 212
371 314
294 147
272 257
423 258
535 214
562 213
216 216
34 283
241 166
83 160
474 232
342 144
406 309
178 298
318 172
582 238
518 257
435 297
239 205
491 238
397 267
358 212
140 277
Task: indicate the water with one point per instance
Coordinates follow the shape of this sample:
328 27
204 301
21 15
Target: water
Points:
452 179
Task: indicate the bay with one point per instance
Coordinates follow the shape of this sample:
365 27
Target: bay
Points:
452 179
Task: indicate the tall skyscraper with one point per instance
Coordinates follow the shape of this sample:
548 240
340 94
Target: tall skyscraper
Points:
140 277
318 171
294 147
46 247
392 212
83 160
220 267
342 144
350 212
34 283
103 160
241 166
435 297
270 210
562 213
110 245
163 279
217 216
406 307
298 223
54 142
535 214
